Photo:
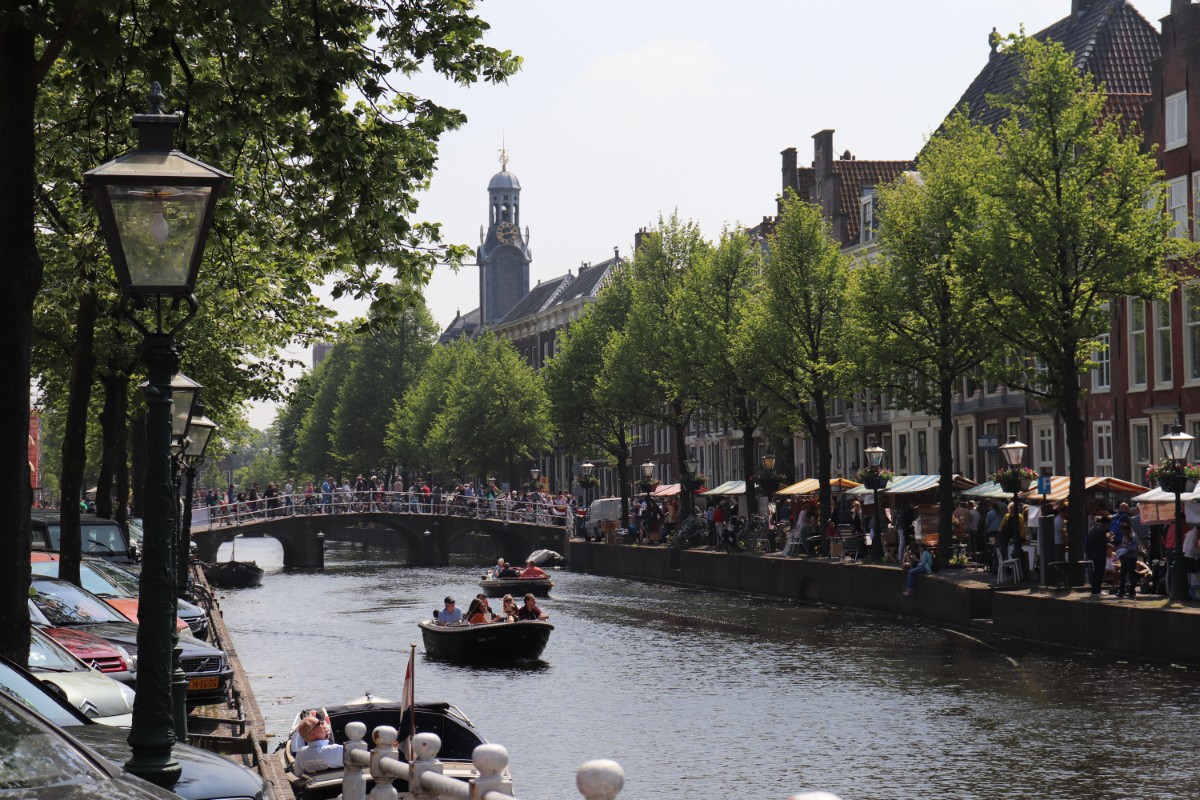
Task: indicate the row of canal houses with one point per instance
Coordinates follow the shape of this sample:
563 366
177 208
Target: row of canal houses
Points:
1150 374
1146 379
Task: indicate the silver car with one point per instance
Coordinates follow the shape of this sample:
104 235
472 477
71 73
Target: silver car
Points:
97 696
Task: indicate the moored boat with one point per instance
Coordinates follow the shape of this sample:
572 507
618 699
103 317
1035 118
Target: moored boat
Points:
458 734
517 587
234 574
523 640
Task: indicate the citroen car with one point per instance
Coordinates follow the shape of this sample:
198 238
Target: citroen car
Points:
94 694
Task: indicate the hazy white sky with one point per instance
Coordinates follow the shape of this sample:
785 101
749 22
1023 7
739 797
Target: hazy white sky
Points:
627 110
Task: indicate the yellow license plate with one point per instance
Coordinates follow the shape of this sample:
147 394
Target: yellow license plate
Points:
204 683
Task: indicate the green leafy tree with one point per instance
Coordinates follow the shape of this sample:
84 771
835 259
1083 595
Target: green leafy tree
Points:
1063 229
408 433
799 326
314 441
916 328
713 303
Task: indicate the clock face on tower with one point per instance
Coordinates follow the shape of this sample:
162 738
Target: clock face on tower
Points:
506 232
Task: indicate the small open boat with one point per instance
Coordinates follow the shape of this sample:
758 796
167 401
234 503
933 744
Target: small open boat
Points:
458 735
517 587
234 574
523 640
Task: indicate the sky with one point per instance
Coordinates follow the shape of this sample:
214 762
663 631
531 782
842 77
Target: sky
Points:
627 111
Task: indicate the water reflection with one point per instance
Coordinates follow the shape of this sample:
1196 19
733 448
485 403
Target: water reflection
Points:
703 694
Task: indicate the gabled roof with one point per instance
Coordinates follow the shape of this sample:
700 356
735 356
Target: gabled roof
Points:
589 281
463 325
561 290
1110 40
855 176
538 298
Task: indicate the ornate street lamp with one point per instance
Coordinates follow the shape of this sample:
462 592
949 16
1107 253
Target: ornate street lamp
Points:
689 484
875 455
1176 446
1014 455
534 474
156 207
199 432
768 462
647 474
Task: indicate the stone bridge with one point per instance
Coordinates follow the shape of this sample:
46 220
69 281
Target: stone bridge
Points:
429 539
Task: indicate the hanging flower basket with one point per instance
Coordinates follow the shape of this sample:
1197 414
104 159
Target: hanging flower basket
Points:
873 478
648 486
693 482
768 482
1014 479
587 481
1172 476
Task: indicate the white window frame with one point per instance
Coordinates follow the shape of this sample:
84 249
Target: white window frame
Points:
1164 352
1102 448
1175 114
1137 346
1138 428
866 217
1191 333
1196 203
1177 207
1102 372
1043 448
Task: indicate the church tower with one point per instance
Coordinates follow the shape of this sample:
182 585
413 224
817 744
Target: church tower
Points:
503 255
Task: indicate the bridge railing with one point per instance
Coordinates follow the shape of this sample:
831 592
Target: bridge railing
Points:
596 780
555 512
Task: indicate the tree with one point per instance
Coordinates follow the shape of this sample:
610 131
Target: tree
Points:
1063 229
713 303
414 414
916 329
588 419
798 328
314 441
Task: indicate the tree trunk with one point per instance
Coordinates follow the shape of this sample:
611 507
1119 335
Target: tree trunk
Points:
74 447
110 428
748 467
1077 494
819 430
22 273
121 453
946 470
137 459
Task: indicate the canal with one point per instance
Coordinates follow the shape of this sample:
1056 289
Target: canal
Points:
699 694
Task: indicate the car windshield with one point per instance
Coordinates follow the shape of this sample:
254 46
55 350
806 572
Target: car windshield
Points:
47 654
65 604
98 538
33 757
31 694
92 579
115 575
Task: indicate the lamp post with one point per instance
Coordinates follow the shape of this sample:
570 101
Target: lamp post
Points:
690 484
1014 455
199 431
587 468
156 206
647 474
534 474
1176 445
875 455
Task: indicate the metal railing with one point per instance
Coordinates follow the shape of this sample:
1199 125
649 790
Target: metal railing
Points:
508 509
596 780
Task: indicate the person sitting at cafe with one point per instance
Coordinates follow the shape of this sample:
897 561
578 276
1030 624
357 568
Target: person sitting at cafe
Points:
451 614
318 753
532 570
530 610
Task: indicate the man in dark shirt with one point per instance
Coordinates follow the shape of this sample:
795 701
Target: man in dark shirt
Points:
1095 549
530 610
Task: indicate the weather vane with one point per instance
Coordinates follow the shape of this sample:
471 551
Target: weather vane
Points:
503 157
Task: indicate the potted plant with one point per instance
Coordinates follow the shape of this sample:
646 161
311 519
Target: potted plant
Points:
874 478
648 485
693 482
768 481
587 481
1014 479
1173 476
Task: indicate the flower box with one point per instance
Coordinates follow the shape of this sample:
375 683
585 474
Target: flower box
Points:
875 482
1176 484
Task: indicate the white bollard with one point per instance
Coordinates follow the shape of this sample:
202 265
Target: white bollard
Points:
600 780
425 749
490 760
385 747
354 783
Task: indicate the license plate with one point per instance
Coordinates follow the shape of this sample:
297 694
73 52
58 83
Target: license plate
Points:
204 683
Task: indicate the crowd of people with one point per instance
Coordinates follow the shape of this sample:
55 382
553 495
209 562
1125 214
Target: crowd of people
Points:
479 612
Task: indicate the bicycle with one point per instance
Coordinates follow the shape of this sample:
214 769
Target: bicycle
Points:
692 532
753 536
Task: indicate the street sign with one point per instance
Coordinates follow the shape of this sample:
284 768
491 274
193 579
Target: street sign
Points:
1043 484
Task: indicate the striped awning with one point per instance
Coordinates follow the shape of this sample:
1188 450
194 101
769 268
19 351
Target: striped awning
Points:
988 491
1157 495
1060 486
666 490
908 484
729 487
812 486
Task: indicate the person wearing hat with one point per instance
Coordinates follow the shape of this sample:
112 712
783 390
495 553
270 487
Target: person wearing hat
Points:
318 752
451 614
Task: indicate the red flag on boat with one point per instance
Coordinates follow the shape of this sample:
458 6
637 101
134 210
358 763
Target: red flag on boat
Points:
406 699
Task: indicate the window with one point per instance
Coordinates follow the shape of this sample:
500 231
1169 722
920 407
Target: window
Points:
990 430
1014 428
1196 203
1191 335
902 453
969 451
1101 373
1177 207
1137 344
1176 114
1162 343
1044 449
1102 443
1141 446
868 226
922 454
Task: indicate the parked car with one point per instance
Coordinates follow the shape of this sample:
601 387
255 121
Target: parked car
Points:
96 696
61 604
113 660
195 616
98 583
205 775
603 514
43 762
99 536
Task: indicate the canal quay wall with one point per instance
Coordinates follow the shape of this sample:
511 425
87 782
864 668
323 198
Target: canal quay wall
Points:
1144 629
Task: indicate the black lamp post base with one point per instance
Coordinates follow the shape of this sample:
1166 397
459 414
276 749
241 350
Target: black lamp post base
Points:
156 766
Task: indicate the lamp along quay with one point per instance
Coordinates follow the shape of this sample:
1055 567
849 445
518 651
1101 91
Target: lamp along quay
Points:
875 455
1176 446
156 209
1014 456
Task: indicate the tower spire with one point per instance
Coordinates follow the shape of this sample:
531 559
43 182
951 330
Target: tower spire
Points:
503 156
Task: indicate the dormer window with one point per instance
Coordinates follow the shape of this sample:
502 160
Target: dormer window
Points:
868 226
1176 114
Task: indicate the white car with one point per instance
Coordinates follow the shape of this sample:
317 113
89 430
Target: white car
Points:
97 696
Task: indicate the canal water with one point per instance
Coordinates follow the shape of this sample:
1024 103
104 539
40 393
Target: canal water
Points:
703 694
